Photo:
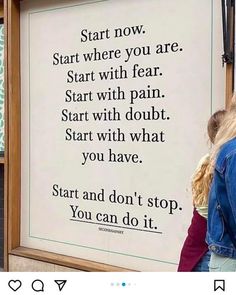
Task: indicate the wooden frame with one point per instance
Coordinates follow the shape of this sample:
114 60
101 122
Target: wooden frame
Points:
1 9
13 151
12 127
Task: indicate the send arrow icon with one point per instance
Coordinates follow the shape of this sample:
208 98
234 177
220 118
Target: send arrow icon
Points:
60 284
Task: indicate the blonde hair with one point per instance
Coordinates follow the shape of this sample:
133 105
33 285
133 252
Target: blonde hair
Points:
226 132
202 177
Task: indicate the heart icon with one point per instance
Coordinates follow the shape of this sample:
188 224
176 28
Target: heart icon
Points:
14 284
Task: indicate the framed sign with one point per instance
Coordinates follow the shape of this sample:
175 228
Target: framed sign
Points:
114 98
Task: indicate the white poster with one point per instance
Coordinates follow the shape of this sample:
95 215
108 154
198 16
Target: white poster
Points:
116 96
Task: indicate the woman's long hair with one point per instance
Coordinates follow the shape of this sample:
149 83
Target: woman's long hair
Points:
202 177
226 132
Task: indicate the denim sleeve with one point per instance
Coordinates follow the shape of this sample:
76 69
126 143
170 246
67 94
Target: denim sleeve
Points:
230 180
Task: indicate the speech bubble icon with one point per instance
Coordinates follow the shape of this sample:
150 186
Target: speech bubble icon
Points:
38 286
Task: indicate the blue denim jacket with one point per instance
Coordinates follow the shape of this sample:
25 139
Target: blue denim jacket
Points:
222 201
